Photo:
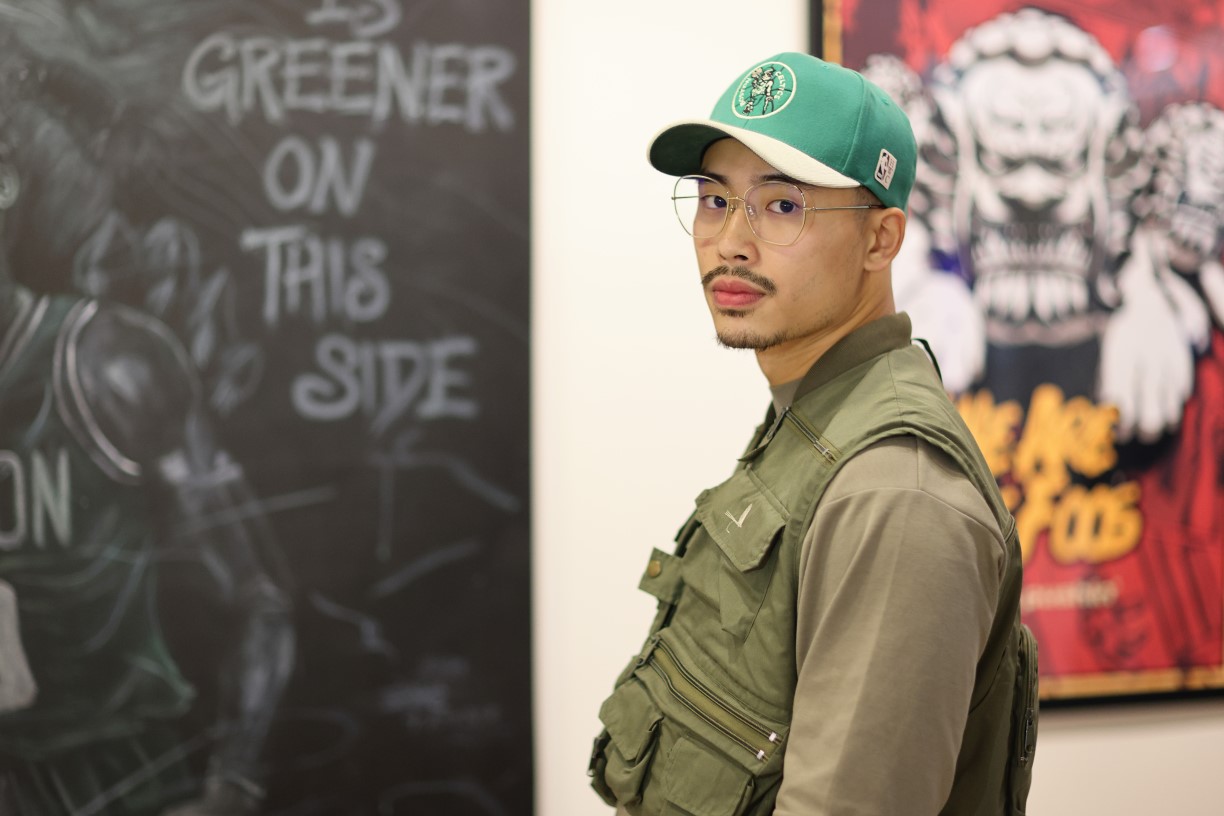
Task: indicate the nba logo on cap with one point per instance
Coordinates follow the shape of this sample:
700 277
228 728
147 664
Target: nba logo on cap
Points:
885 167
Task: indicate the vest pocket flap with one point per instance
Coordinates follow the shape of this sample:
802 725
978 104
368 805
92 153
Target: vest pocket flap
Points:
741 520
630 716
699 781
662 576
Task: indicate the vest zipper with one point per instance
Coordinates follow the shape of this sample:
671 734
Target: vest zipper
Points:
759 741
1026 745
812 437
764 441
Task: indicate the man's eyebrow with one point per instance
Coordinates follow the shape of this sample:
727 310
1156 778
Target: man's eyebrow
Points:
721 179
782 177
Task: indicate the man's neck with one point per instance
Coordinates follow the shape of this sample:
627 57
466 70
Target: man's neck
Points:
793 359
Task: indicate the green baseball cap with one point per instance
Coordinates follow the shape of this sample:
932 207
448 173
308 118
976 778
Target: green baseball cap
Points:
815 121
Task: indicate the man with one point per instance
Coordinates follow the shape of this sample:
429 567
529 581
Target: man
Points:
108 468
838 629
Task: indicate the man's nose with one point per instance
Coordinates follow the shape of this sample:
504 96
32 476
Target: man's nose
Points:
737 241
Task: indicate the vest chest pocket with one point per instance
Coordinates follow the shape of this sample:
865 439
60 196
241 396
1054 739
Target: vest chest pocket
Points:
743 522
632 720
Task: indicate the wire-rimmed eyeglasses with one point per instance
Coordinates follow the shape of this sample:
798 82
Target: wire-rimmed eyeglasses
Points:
776 210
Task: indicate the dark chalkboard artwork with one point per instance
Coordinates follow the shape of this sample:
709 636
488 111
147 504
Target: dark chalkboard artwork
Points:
274 255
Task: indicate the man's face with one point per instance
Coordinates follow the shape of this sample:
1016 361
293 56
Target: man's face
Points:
763 296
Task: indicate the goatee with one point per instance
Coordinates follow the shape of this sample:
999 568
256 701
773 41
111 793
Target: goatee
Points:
743 338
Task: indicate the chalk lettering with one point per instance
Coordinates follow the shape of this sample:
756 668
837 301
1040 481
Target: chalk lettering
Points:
305 60
352 65
447 84
212 89
13 485
491 66
52 500
260 56
296 152
439 401
385 380
445 74
305 274
35 498
312 182
365 18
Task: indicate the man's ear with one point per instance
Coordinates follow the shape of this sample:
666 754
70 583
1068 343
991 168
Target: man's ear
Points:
886 232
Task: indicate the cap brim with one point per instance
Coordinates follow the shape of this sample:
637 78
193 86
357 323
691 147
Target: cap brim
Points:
678 148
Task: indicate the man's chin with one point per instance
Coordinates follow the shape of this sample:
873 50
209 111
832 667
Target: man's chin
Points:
747 339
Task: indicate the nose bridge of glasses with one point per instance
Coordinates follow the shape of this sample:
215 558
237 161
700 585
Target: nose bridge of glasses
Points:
734 203
749 209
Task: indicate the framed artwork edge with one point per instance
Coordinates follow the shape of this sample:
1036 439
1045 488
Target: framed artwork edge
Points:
1122 687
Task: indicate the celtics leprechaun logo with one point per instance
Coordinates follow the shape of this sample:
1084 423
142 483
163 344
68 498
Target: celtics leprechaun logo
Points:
765 90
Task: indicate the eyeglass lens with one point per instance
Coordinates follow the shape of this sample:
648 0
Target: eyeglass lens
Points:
775 208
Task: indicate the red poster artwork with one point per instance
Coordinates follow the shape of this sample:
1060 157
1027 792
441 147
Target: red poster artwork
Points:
1064 260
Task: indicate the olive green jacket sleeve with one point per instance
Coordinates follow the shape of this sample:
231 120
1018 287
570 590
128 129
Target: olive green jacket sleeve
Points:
899 576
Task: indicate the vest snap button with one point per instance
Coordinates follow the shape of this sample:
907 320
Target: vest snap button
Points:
654 568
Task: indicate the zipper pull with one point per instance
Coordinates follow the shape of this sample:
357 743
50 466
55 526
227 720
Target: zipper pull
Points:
773 739
1030 739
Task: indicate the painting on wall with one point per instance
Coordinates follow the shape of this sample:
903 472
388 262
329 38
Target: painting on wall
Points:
1063 258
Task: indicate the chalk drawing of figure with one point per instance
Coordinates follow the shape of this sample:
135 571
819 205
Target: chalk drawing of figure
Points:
110 468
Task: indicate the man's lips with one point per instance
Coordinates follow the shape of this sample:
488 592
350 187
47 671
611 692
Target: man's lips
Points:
730 293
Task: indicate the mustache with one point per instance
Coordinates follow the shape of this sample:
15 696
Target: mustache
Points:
760 281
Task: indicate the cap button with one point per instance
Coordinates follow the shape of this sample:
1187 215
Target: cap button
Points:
654 568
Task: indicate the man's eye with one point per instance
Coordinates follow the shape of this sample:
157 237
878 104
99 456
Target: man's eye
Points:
783 206
713 202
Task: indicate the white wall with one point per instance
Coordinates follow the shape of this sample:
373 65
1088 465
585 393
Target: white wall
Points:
636 409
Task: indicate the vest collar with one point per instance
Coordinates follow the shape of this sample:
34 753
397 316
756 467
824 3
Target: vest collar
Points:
877 337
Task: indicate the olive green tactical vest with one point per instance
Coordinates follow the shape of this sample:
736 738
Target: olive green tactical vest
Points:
698 721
